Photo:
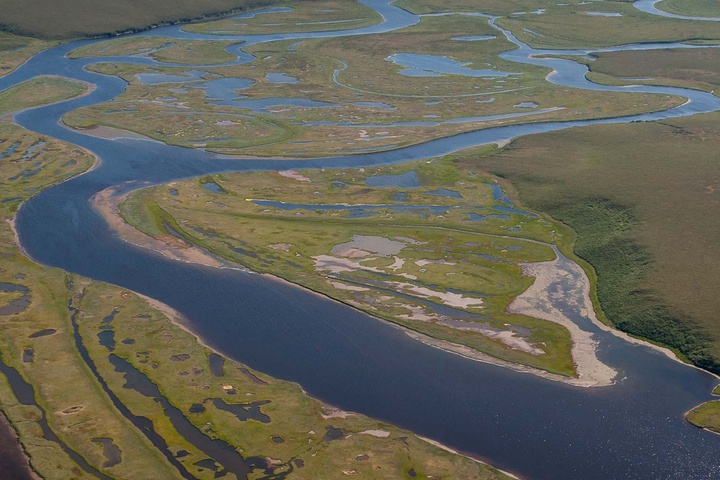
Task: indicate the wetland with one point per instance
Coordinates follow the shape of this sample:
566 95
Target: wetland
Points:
333 206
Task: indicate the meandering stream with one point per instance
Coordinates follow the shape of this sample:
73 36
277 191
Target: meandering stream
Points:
525 424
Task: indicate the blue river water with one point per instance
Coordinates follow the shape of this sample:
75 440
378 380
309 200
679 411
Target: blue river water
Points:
533 427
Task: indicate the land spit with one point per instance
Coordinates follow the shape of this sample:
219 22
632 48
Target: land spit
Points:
538 301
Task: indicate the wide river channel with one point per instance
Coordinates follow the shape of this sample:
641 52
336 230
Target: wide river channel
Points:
536 428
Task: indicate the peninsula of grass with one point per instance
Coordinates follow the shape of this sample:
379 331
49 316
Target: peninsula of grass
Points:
391 251
38 91
643 199
15 50
168 50
706 416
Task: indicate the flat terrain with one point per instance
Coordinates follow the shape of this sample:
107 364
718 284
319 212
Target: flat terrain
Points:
444 248
391 250
646 220
691 8
308 16
698 69
580 24
38 91
55 326
52 20
354 99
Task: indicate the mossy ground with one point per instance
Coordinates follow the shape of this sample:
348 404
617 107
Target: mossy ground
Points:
318 15
643 220
78 410
346 74
38 91
168 50
15 50
405 287
49 20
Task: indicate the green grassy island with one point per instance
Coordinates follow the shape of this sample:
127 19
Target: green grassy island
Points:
460 251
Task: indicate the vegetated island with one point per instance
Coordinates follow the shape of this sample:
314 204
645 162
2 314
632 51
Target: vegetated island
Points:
170 407
439 250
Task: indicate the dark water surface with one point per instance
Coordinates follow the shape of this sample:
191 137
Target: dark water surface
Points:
531 426
13 462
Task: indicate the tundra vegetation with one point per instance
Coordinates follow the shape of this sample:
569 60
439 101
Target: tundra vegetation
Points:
439 253
691 8
46 19
114 347
641 200
359 102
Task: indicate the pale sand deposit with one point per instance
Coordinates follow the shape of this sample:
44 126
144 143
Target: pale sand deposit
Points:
450 299
376 433
455 452
537 301
294 175
106 203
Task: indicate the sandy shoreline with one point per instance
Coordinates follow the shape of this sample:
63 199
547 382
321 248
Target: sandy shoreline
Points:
534 302
537 302
106 203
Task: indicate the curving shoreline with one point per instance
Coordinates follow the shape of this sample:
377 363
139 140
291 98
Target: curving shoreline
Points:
27 227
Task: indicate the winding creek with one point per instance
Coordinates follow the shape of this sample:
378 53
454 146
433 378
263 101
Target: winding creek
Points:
528 425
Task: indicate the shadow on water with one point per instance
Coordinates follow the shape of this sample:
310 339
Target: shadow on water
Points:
243 411
19 304
216 364
112 453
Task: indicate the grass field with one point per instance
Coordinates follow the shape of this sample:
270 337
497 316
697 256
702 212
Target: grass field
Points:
698 69
410 286
51 20
646 215
305 16
692 8
580 26
14 50
369 100
492 7
706 415
191 52
38 91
